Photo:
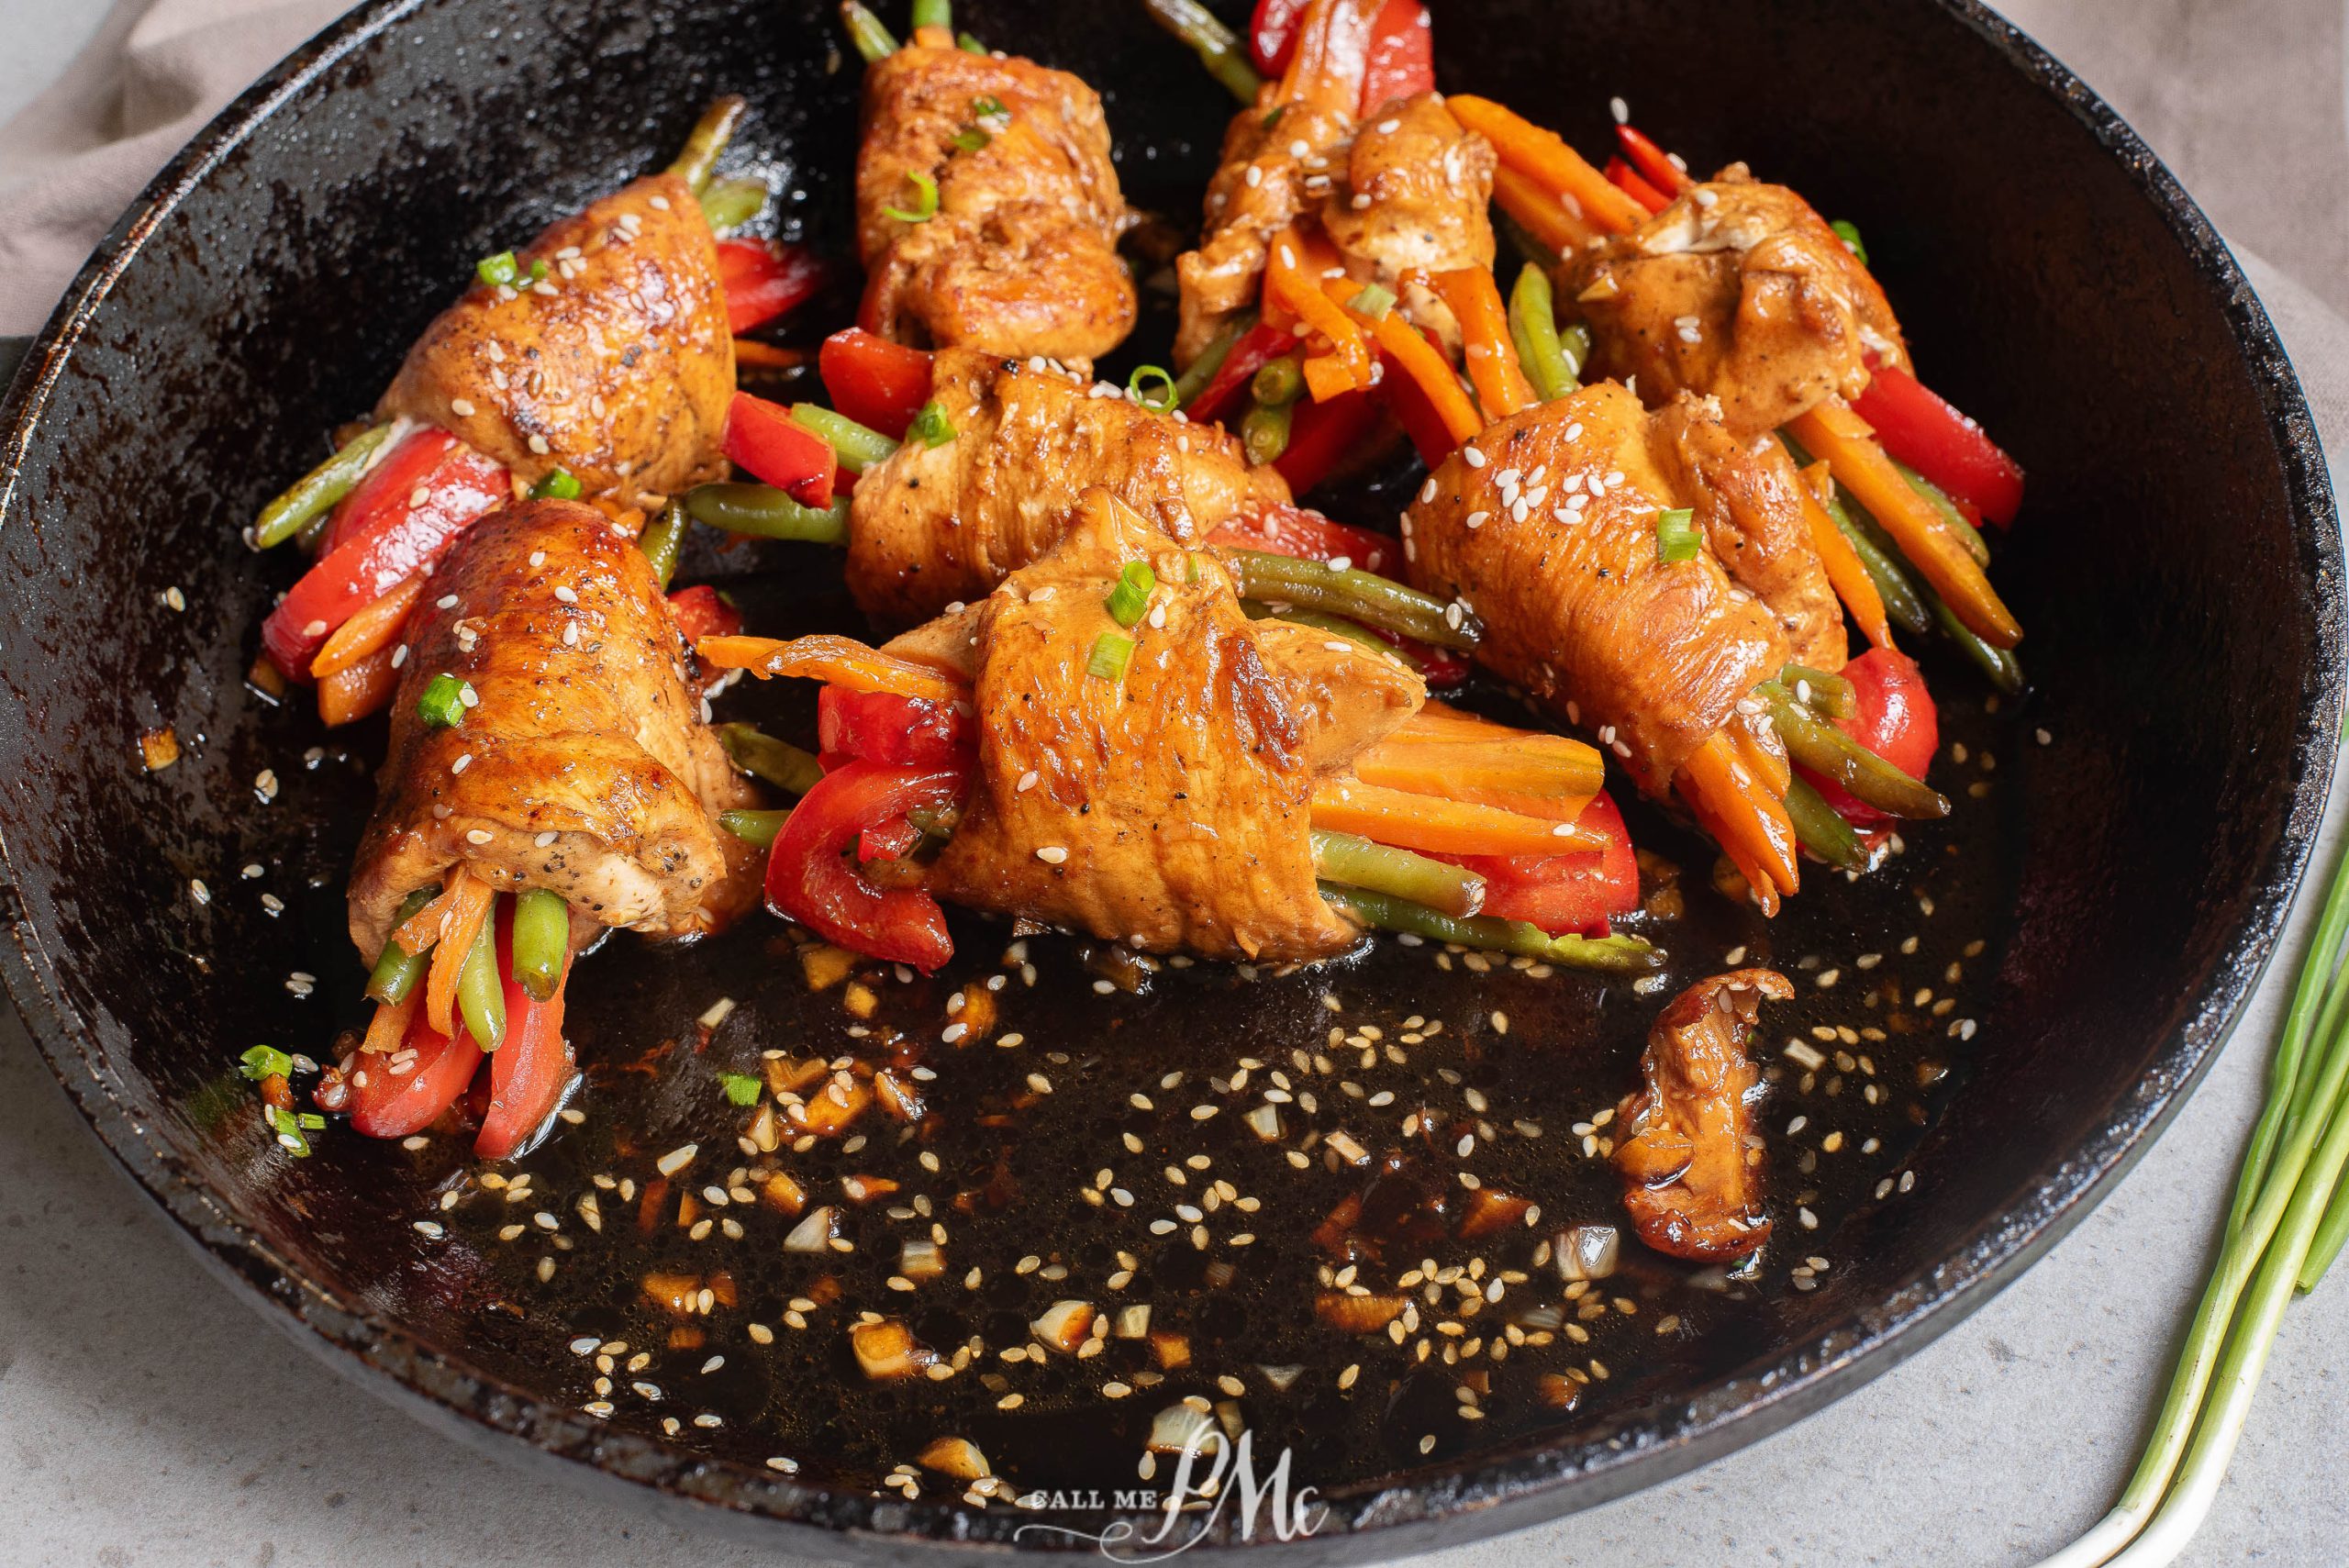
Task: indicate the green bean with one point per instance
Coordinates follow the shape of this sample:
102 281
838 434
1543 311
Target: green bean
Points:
397 969
709 136
1359 596
1279 383
1831 695
969 45
864 30
1218 49
1951 519
758 828
315 494
1822 828
1904 600
762 756
767 512
1263 431
1999 663
481 994
1360 863
1194 380
1533 326
1823 748
933 13
1336 625
1616 955
860 447
730 204
542 941
662 541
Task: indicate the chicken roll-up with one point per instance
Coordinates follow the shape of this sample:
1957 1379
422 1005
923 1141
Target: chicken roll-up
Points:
549 779
1109 743
988 210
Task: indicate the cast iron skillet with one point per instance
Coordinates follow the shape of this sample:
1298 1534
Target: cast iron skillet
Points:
2179 566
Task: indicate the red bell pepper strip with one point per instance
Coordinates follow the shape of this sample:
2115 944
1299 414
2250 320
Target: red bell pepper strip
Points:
380 536
1934 439
808 881
1271 34
1402 55
1307 535
763 281
1562 894
531 1070
1263 343
899 732
388 1103
1323 435
763 440
700 612
1653 163
1625 178
890 841
873 380
1894 718
1431 437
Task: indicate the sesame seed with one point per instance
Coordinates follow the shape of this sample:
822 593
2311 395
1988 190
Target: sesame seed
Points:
1620 110
539 443
1027 781
1051 854
1472 457
462 763
566 593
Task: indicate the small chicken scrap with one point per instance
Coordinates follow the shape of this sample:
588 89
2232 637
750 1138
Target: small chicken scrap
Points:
1740 291
1688 1156
987 208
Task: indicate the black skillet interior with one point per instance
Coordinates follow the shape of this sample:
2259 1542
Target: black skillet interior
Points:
2177 564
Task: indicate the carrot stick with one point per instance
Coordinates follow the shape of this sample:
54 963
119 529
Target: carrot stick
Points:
1833 432
354 692
1653 162
1286 280
389 1026
767 356
1325 377
423 928
1766 762
371 627
1476 300
1426 367
1543 156
1478 774
1333 55
465 914
1749 823
1409 821
1844 572
1555 222
841 660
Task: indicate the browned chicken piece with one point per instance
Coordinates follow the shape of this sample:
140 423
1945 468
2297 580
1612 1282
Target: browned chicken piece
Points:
582 767
1170 810
1408 191
1738 290
1020 257
1550 534
617 366
932 527
1690 1162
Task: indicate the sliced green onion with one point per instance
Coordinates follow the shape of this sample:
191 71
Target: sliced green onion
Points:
968 44
542 941
310 1121
1218 48
707 139
559 485
987 106
1161 402
1357 862
762 756
728 205
764 512
442 706
481 994
934 14
316 493
1108 659
1848 233
1675 535
740 1089
539 268
1372 300
498 271
662 541
925 199
930 426
858 446
1383 911
866 31
1201 371
396 971
266 1061
1820 828
1830 694
971 138
1130 600
1534 328
288 1128
1278 382
1359 595
758 828
1263 432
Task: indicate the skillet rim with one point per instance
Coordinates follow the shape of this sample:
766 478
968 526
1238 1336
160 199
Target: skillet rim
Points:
1437 1505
